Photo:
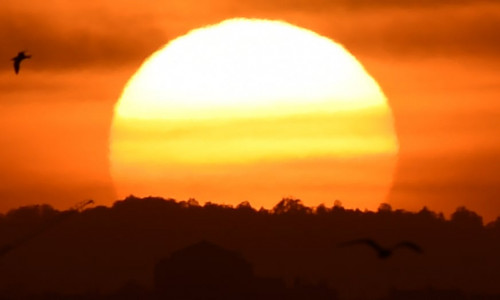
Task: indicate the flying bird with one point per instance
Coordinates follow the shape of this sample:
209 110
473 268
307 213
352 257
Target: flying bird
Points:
383 253
18 59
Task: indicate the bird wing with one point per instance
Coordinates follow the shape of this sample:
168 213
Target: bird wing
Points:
409 245
368 242
17 64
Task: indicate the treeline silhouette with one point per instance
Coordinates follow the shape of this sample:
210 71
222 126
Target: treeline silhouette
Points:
154 248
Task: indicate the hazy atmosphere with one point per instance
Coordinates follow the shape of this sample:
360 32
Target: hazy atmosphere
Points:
436 61
380 116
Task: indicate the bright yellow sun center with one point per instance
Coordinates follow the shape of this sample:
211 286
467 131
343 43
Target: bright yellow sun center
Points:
254 110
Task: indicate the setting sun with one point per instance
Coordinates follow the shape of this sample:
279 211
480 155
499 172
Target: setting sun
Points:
254 110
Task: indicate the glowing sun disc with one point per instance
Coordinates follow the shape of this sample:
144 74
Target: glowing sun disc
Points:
253 110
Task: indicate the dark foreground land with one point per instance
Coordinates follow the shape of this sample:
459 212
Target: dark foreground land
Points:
154 248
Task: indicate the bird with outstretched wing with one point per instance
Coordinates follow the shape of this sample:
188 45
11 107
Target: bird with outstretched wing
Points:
383 252
18 59
409 245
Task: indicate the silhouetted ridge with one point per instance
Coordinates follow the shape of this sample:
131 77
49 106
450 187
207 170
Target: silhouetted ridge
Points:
103 248
47 218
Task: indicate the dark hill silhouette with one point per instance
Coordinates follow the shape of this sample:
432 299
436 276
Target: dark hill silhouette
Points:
207 271
204 270
103 248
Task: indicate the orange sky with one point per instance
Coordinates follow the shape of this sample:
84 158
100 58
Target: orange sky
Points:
437 62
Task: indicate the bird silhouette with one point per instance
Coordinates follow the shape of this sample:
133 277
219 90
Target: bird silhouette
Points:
383 253
18 59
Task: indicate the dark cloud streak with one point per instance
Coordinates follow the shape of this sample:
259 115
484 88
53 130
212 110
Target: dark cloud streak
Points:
425 34
76 47
360 5
109 39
